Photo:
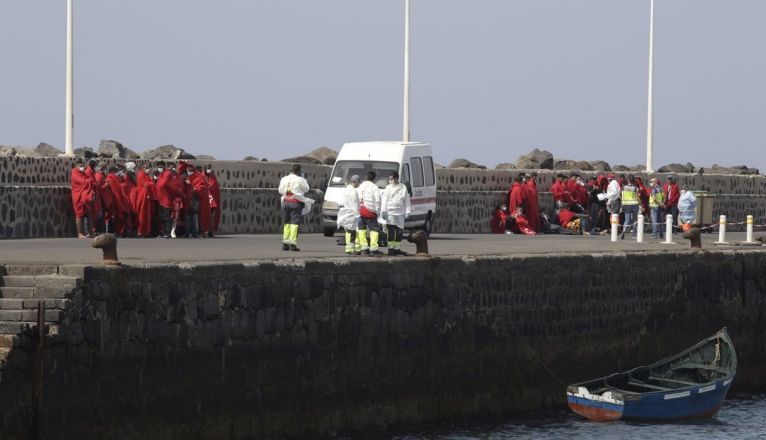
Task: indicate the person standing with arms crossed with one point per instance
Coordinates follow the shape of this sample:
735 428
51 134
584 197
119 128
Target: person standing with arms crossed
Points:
369 207
293 188
394 209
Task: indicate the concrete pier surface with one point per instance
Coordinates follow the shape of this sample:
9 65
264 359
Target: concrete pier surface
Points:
266 247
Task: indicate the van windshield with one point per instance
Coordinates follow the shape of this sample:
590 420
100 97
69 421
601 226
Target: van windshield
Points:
346 168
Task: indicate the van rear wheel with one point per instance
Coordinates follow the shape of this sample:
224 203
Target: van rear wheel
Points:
328 232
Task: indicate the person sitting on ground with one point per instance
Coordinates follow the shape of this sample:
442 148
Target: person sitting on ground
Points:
500 220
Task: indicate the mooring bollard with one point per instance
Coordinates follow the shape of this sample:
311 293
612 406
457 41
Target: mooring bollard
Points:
640 231
108 244
420 238
694 235
615 219
669 229
749 241
722 231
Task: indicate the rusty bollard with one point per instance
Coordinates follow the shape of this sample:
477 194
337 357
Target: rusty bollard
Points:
420 239
694 235
108 244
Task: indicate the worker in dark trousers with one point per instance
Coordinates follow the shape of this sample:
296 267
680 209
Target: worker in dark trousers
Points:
293 188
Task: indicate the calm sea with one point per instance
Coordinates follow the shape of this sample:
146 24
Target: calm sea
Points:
741 417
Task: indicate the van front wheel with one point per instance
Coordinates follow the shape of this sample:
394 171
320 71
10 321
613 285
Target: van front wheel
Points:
328 232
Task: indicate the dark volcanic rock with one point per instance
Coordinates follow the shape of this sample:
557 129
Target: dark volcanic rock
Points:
600 165
736 170
505 166
85 152
303 159
541 159
250 158
167 152
46 150
577 165
465 163
7 151
205 157
676 168
325 155
112 150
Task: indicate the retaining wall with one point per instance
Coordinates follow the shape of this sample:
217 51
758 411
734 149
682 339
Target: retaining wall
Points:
34 197
288 349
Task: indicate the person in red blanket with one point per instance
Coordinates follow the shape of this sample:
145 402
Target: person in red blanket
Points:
215 199
672 196
83 196
108 211
195 179
576 187
560 191
518 207
128 184
643 195
533 202
500 220
167 193
143 194
119 217
95 218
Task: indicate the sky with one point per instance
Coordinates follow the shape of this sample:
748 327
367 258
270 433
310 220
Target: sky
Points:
491 79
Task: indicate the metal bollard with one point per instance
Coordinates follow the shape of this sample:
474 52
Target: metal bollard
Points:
615 219
722 231
669 229
750 229
640 231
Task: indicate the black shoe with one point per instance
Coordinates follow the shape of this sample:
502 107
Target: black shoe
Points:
622 236
377 252
195 236
294 248
366 252
392 253
401 252
285 247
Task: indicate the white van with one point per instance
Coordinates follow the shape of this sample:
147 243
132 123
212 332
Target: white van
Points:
415 164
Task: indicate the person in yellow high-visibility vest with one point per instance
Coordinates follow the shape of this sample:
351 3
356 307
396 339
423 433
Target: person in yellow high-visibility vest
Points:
630 205
657 208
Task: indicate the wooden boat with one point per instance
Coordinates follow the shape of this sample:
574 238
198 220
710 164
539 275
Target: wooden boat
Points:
689 385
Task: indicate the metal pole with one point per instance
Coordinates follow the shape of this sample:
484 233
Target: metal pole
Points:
650 110
749 229
69 132
406 127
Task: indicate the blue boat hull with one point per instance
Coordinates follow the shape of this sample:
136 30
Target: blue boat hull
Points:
690 403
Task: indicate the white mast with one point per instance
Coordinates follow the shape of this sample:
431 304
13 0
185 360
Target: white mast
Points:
406 128
650 110
69 132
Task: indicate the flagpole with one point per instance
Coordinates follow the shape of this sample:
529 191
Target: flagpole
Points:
406 113
69 132
650 99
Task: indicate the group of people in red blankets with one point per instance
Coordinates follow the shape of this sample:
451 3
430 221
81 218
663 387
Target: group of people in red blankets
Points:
163 201
578 208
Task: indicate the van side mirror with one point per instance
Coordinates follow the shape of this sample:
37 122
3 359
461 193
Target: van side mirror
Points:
323 185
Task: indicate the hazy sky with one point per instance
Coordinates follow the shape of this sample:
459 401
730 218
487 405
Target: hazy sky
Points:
492 79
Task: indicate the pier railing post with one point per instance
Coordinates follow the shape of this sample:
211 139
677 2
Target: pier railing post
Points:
722 231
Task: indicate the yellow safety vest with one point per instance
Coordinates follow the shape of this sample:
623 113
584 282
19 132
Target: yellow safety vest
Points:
656 199
629 195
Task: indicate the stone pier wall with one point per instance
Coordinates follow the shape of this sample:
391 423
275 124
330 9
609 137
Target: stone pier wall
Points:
299 349
34 196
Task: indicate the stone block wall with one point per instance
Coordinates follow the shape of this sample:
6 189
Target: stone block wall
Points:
466 197
299 349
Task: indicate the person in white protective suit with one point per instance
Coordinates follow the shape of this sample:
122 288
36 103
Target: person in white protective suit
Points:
394 210
348 215
369 207
295 205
